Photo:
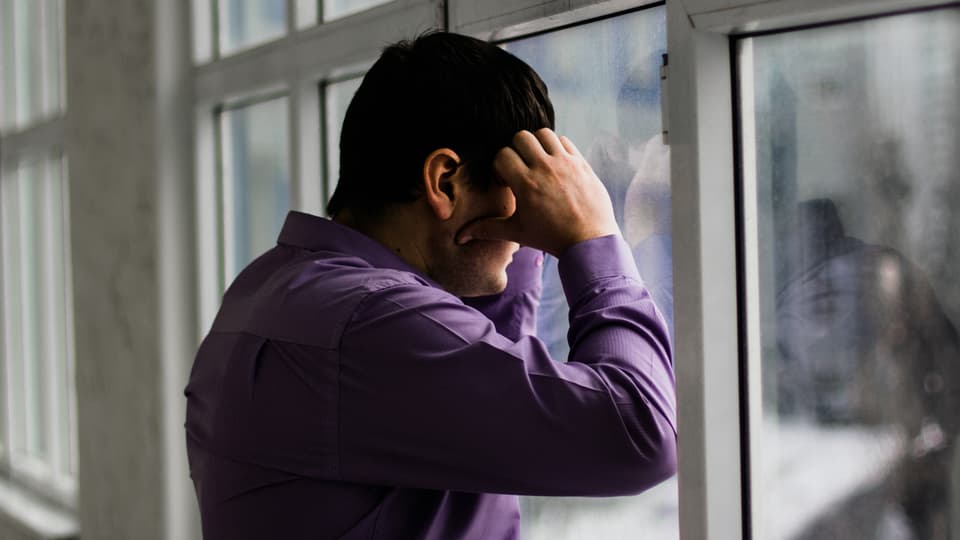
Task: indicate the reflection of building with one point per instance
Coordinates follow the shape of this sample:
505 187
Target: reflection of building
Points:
859 293
865 341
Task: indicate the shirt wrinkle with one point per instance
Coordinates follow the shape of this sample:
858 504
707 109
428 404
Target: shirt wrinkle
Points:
336 336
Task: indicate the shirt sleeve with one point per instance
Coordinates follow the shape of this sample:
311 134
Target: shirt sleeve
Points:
514 311
432 396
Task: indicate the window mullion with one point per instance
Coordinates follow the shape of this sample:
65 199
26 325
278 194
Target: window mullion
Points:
305 133
7 315
226 201
291 13
70 467
215 33
53 387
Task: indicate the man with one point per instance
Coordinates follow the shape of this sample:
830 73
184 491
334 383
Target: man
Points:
345 389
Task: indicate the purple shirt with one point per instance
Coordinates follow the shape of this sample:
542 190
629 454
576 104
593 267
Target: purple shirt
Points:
342 394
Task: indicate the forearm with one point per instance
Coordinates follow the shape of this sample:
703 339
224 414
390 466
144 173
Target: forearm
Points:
464 407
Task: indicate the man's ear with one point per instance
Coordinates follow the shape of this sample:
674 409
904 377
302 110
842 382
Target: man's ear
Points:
443 178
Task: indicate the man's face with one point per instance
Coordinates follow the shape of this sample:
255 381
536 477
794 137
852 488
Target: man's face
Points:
478 267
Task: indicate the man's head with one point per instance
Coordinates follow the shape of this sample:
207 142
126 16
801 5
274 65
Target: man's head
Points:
417 149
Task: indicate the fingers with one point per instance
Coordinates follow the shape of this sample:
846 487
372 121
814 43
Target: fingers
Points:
528 147
549 141
488 229
533 147
569 146
509 166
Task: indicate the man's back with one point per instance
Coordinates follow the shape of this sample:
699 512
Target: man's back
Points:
340 394
264 414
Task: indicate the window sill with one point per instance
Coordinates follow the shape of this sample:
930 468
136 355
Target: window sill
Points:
32 518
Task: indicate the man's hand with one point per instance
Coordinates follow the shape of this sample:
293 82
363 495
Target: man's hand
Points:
560 201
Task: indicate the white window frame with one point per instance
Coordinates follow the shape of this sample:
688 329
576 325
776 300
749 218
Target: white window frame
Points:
714 291
719 390
296 66
36 491
45 476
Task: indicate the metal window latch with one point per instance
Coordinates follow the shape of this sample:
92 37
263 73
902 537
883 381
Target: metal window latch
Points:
664 98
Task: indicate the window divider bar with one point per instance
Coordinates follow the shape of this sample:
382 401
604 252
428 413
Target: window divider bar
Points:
749 286
291 16
705 281
70 349
215 29
306 126
49 392
294 134
42 136
314 53
778 15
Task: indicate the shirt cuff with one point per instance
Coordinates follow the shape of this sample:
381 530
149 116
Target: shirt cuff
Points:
590 260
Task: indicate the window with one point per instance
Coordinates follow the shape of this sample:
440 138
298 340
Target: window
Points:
853 125
37 412
30 81
255 168
247 23
265 120
851 196
37 330
335 9
604 81
306 13
338 96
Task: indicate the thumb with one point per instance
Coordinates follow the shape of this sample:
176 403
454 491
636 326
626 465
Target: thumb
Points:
487 229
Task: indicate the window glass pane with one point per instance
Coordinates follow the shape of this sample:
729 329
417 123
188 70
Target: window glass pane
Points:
59 387
246 23
256 180
29 68
32 33
307 13
53 32
338 96
335 9
604 81
851 137
37 351
12 318
8 103
33 213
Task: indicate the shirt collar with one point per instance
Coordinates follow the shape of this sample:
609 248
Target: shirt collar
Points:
315 233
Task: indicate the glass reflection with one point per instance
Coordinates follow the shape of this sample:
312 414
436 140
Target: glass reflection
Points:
856 129
256 180
247 23
604 81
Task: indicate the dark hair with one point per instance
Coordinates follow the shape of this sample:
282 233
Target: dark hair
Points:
440 90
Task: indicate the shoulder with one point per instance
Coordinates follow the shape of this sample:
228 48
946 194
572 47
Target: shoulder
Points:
308 298
411 311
